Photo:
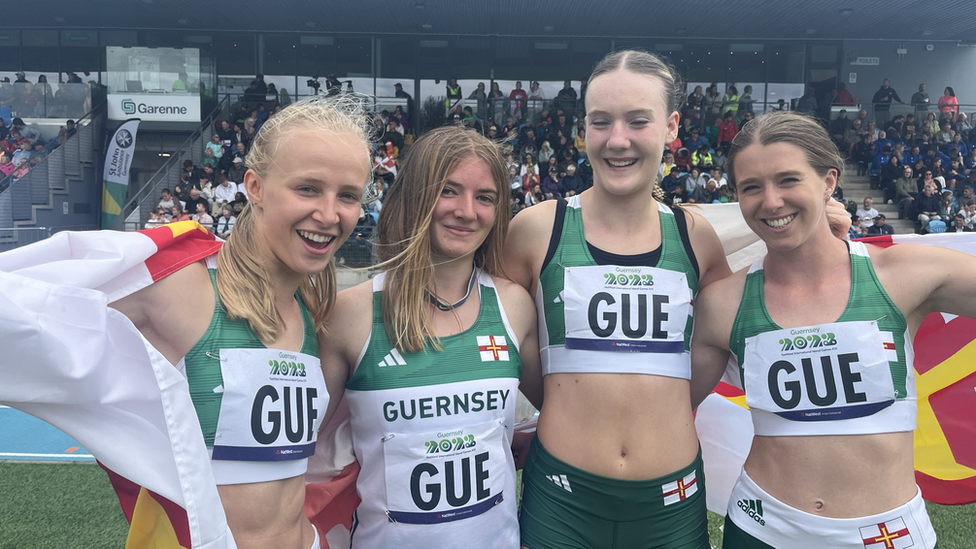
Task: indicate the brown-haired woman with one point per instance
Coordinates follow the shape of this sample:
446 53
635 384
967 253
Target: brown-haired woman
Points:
822 335
616 462
434 348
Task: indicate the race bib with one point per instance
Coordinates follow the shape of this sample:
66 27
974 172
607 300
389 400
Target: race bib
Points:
820 373
627 309
446 475
272 405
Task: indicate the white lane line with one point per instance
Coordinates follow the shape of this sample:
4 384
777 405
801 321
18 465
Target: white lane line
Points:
62 456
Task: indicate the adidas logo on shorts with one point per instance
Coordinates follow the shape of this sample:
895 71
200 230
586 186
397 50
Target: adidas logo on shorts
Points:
753 508
393 358
561 481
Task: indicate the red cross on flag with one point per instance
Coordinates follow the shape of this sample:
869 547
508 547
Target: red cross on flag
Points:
680 489
892 534
492 348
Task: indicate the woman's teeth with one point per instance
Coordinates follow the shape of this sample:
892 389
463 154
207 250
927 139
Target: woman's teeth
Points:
320 238
777 223
621 163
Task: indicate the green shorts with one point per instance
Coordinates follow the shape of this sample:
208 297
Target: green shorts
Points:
564 507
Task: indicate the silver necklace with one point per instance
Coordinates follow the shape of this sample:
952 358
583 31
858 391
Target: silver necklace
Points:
436 302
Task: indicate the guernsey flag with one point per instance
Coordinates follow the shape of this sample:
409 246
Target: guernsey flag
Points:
96 378
945 380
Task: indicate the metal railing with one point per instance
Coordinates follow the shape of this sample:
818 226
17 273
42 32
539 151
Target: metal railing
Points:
137 208
33 188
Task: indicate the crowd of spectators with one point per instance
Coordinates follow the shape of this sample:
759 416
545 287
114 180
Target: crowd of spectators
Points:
23 147
26 99
922 161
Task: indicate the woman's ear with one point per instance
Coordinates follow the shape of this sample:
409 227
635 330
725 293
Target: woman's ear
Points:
252 184
830 181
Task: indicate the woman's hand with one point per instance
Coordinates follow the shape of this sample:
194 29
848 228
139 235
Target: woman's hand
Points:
838 218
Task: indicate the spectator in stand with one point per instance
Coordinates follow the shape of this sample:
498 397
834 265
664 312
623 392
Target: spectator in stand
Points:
517 99
225 223
702 158
730 101
240 200
963 125
496 104
890 173
927 204
861 154
202 216
969 213
552 185
216 146
920 100
879 227
194 199
579 143
966 195
566 97
838 127
572 181
959 224
705 194
178 213
693 107
866 213
713 103
808 103
727 130
844 97
712 132
480 96
948 206
745 102
882 102
208 158
6 164
948 105
237 170
852 137
695 140
905 189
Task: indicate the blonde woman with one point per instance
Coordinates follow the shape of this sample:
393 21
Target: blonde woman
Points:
264 296
434 348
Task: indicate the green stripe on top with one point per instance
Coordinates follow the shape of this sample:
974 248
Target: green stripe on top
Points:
572 251
202 363
868 301
460 359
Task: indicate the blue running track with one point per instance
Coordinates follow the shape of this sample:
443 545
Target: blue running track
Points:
26 438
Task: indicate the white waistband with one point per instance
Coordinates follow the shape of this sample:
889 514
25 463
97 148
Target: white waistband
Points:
557 359
766 518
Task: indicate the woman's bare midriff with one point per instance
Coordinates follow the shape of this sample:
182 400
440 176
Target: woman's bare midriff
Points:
836 476
623 426
268 514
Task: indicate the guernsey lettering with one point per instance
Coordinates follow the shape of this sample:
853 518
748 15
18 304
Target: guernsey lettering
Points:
446 405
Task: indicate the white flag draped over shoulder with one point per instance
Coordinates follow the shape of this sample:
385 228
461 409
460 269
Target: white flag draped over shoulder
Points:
94 376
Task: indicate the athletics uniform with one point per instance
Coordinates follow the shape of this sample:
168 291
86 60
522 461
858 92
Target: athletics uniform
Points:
433 433
260 409
587 299
850 377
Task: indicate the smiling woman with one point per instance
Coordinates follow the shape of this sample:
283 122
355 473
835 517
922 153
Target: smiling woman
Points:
616 427
264 297
822 335
435 348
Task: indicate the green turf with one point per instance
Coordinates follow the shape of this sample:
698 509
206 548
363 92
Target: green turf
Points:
72 505
58 505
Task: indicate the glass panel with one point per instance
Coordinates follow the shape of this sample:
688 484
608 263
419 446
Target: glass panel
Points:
235 54
786 63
